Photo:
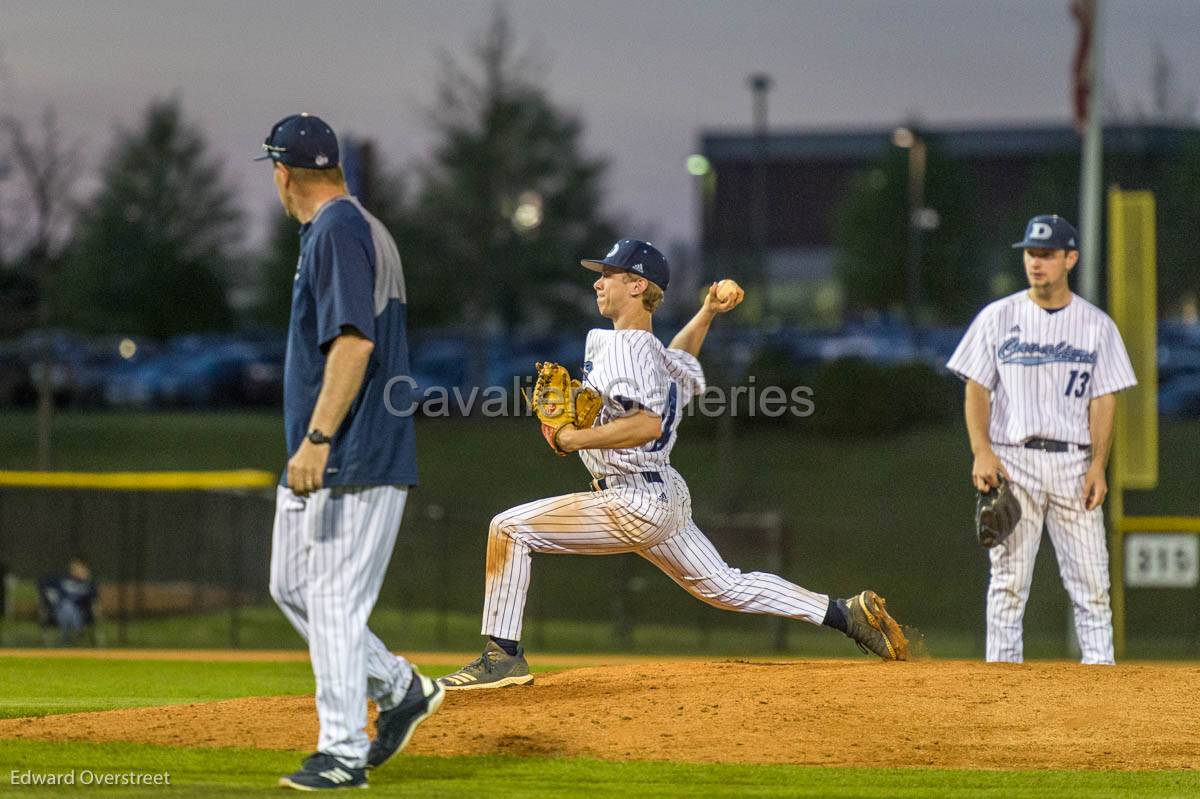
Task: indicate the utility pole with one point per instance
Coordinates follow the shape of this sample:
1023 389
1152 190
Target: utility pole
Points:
760 84
1091 176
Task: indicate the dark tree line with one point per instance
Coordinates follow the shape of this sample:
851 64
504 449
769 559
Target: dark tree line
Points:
490 227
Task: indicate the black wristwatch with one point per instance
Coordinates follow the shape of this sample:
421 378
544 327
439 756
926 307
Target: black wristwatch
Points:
317 437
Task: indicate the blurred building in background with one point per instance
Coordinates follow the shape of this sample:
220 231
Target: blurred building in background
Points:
1006 172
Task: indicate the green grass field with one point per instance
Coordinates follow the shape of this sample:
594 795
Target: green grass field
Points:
764 463
32 686
253 772
877 511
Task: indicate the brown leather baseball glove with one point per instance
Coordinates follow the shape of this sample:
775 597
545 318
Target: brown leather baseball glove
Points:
558 401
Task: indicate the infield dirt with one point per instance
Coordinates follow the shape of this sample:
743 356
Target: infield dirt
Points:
948 714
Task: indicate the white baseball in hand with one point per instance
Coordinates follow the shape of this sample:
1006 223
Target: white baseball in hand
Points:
728 294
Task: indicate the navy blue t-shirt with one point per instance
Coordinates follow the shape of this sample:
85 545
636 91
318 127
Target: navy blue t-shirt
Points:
349 276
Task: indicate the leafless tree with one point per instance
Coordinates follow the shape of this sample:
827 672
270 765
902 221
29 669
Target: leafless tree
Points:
45 169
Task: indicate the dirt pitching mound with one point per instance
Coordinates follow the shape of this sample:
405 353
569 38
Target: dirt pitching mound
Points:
859 713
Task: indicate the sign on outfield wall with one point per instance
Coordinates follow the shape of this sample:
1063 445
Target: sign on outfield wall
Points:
1162 560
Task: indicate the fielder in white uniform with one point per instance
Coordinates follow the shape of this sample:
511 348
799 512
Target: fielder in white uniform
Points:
638 502
1042 369
350 462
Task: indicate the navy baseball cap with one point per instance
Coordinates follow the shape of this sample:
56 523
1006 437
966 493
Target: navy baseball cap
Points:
638 257
302 140
1050 231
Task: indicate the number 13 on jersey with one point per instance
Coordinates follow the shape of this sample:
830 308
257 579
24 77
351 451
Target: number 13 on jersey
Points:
1078 383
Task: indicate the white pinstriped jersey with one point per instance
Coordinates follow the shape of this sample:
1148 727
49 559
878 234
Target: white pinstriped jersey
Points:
645 506
633 370
1042 367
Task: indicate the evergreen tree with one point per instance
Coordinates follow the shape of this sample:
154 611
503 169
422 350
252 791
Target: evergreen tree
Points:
508 205
871 235
157 238
277 273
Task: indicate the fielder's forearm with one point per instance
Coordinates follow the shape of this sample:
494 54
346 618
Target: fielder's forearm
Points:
345 366
1101 411
692 336
623 433
977 407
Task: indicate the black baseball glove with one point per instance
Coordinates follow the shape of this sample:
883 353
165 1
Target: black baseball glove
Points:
996 514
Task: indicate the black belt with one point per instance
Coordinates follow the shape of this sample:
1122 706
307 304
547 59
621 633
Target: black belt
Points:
1050 445
601 483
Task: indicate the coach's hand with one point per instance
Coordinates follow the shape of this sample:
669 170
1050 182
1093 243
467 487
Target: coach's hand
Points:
984 472
1095 486
306 469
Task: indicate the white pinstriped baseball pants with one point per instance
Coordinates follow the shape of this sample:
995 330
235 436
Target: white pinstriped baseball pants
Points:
329 552
1049 486
650 518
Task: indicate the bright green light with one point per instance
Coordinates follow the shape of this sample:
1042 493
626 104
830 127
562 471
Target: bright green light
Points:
698 165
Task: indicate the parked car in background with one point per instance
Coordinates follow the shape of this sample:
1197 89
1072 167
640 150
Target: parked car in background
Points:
136 385
1180 397
262 375
246 368
183 373
103 356
211 377
16 387
65 350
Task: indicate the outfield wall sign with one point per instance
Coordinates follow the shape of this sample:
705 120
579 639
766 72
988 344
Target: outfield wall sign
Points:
1162 560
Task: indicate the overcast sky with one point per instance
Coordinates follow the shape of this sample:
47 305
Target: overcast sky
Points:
646 75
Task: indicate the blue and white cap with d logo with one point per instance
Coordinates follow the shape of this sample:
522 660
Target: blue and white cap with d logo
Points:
639 257
1049 231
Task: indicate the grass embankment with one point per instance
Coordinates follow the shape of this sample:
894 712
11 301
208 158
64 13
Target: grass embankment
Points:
211 773
893 514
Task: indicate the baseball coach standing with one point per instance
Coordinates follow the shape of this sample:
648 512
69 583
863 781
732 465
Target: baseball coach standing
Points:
350 461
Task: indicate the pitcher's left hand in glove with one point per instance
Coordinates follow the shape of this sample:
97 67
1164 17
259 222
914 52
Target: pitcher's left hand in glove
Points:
996 514
559 401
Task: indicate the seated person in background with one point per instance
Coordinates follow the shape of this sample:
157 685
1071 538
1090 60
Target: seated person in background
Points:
67 601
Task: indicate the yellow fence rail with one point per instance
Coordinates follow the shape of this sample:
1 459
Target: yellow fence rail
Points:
142 481
1160 524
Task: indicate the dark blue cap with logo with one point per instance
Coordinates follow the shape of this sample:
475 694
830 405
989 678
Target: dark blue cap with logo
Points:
638 257
302 140
1049 231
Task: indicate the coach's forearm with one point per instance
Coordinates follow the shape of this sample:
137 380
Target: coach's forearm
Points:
1101 411
623 433
345 366
692 336
978 411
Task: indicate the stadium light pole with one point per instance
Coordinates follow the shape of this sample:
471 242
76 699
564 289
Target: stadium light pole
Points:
919 217
1091 203
760 84
5 168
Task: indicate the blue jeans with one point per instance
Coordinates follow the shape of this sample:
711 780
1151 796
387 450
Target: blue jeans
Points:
70 621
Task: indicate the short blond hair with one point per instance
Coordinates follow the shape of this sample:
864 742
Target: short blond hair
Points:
652 297
333 176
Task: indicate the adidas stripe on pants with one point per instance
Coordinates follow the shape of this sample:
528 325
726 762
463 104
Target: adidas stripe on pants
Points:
652 519
329 552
